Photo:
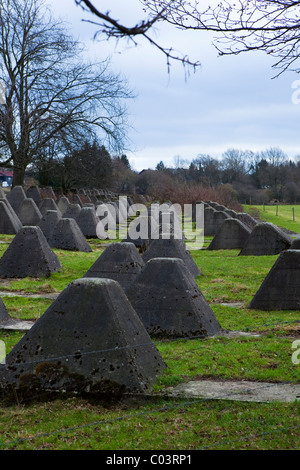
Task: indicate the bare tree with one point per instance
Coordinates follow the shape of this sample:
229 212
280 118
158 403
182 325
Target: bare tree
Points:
244 25
50 92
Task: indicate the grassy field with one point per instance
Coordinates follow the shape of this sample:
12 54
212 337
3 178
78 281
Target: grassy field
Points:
157 422
285 215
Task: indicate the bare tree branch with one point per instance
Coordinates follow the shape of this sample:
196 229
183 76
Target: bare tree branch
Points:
112 28
240 26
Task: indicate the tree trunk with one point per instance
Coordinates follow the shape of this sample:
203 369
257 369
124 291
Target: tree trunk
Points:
19 175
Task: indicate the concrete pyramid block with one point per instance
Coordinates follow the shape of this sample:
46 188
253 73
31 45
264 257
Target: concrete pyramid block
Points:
48 193
247 219
194 209
11 210
120 262
48 223
209 226
231 235
89 340
4 316
72 211
169 302
47 204
66 235
9 224
266 239
219 207
296 244
87 221
29 254
75 199
231 213
281 288
34 193
29 213
171 248
15 197
62 203
219 217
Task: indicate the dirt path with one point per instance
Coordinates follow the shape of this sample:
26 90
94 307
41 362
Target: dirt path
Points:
28 295
237 390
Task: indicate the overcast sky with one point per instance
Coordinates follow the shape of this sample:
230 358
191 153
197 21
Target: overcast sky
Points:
230 102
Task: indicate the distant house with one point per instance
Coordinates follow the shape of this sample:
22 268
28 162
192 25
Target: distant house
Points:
6 177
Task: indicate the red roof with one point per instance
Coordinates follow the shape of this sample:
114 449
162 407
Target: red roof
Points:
7 173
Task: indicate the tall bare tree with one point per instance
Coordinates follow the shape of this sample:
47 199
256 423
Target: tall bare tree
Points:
49 92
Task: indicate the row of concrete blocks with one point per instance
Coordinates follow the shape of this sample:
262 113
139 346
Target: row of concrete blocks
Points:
232 230
101 326
96 337
17 210
121 301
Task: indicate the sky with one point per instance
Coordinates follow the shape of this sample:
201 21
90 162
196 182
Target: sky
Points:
229 102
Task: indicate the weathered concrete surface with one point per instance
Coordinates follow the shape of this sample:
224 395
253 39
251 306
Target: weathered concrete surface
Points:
16 219
62 203
15 197
209 226
67 235
29 213
219 217
169 302
8 223
120 262
75 199
49 222
48 204
232 234
266 239
247 219
296 244
29 254
87 221
171 248
72 211
34 193
89 340
231 213
237 390
280 289
16 325
3 312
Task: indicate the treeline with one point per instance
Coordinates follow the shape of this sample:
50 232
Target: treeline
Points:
236 178
252 177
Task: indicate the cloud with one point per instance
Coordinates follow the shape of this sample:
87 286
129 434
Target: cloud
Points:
228 102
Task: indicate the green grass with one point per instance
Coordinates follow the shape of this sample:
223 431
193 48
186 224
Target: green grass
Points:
163 425
281 215
156 422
